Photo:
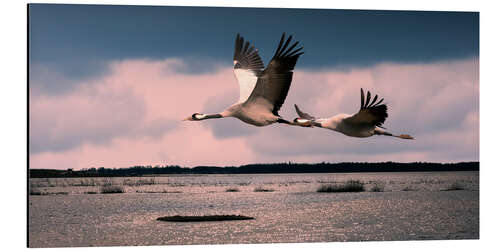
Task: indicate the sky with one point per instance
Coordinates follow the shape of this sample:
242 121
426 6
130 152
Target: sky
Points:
109 85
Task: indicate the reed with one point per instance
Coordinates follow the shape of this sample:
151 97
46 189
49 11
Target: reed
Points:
112 189
349 186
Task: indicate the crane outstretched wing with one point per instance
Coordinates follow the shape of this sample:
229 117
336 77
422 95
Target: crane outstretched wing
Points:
371 113
247 67
274 82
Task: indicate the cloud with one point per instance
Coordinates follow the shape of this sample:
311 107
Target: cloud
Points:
95 112
63 77
68 123
132 115
188 145
437 103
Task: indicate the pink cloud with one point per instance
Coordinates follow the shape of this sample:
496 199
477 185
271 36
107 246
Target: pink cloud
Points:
437 103
89 114
131 115
188 145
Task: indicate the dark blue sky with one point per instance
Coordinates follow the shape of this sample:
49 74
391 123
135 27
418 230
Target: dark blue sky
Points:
77 39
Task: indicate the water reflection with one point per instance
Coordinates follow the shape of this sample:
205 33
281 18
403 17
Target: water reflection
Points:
412 206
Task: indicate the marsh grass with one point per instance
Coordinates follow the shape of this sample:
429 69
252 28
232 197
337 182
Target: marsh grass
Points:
140 182
378 187
109 189
428 181
455 186
243 183
178 218
95 181
59 193
38 192
409 188
86 182
349 186
326 181
157 192
261 189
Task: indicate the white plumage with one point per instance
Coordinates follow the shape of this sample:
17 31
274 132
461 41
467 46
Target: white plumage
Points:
246 80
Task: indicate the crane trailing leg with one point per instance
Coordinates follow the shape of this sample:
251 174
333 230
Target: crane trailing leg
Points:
402 136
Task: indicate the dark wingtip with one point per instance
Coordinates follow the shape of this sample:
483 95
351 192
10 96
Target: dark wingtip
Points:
282 38
374 100
239 38
245 46
293 53
362 98
280 45
379 102
291 48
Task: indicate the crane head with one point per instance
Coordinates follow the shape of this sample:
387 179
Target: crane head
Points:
194 117
303 122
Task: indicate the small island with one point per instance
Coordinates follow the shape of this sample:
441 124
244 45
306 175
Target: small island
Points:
178 218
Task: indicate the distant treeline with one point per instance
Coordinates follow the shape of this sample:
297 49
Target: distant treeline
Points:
345 167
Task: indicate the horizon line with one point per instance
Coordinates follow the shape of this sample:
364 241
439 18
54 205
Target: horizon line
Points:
238 166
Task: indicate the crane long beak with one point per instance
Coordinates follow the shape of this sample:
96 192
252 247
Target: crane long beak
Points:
189 118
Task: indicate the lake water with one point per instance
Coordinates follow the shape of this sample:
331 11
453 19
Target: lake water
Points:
413 206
